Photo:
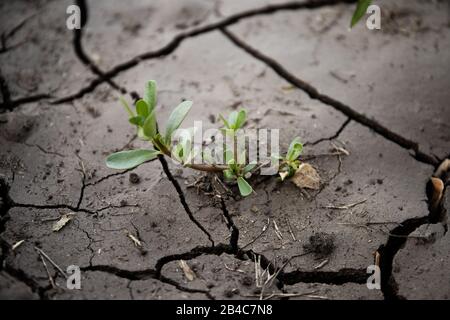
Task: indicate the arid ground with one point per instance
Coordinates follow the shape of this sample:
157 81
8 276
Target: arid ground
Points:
371 106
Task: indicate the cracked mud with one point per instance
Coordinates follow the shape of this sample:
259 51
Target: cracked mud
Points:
381 95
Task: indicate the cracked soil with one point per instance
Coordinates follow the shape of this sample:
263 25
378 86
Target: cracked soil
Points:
382 95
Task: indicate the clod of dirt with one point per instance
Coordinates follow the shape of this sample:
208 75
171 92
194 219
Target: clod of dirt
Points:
230 292
247 281
306 177
321 245
134 178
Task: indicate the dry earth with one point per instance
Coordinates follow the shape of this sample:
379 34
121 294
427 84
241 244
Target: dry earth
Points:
382 95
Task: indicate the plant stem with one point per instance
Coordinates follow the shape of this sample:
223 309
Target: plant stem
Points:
206 167
200 167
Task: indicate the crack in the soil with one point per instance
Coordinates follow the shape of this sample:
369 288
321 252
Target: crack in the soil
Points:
141 275
340 277
111 175
29 99
314 94
6 203
217 250
333 137
52 206
81 54
183 198
399 235
5 36
83 187
9 104
91 241
22 277
347 275
179 38
6 94
43 150
234 238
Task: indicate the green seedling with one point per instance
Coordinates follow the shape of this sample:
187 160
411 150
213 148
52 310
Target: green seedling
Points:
145 120
360 11
289 164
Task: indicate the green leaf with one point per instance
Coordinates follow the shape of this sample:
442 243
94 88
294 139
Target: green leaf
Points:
360 11
244 188
186 149
158 141
149 127
228 175
295 149
249 167
240 120
150 95
225 122
130 159
228 132
126 106
232 119
142 108
141 134
228 155
137 120
275 157
208 158
177 152
176 118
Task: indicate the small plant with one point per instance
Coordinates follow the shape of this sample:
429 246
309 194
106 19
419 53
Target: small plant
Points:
360 11
236 168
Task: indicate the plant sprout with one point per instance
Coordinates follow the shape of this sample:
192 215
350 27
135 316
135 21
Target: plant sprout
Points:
360 11
234 171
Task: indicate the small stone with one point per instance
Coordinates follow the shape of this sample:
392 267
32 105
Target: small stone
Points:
254 209
306 177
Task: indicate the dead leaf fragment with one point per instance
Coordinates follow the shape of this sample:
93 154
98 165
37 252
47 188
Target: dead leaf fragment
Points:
188 273
321 265
283 175
306 177
288 88
443 168
377 258
62 222
437 192
135 240
17 244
